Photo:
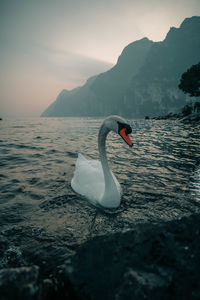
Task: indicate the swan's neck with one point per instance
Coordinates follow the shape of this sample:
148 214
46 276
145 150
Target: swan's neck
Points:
111 197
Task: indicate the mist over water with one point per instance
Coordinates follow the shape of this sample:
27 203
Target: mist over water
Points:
37 159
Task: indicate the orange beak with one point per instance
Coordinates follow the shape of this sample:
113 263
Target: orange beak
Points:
126 137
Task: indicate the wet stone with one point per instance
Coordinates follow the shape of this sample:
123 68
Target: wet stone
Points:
19 283
149 262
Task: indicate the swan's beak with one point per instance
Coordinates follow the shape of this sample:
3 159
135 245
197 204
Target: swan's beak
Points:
126 137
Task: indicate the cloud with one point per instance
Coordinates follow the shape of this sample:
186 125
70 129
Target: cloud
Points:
66 65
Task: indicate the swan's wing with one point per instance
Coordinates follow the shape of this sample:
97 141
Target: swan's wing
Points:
81 159
117 184
88 166
88 178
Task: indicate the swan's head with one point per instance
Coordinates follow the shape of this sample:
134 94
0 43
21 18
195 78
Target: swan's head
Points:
120 126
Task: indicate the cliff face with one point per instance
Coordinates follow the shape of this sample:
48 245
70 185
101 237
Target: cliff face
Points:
77 102
102 94
143 82
154 90
110 87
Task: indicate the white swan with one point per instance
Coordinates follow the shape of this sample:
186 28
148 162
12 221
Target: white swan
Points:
92 178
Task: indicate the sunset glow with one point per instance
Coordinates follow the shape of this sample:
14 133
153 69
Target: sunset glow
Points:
49 46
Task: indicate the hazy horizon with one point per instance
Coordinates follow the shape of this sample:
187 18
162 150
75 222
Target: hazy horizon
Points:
48 46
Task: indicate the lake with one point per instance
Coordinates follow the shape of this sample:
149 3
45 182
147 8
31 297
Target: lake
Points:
160 175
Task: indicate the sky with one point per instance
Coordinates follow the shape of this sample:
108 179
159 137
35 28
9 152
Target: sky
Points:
47 46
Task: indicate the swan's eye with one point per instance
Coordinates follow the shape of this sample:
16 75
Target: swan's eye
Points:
127 128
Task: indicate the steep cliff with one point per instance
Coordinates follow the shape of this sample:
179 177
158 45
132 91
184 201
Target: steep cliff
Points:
102 94
154 90
143 82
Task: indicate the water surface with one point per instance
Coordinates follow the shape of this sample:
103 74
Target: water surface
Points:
160 175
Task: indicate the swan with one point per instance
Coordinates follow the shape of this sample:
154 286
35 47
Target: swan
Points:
93 178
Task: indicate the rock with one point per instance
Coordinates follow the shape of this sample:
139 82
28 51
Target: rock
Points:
187 110
197 107
19 283
150 262
142 285
189 113
12 257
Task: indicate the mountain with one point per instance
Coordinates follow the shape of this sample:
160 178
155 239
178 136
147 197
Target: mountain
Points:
155 88
97 95
143 82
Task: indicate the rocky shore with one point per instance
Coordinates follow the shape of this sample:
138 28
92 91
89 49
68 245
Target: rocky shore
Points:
189 113
151 261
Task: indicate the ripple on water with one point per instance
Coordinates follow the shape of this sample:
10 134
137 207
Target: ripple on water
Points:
2 176
35 196
37 159
33 180
71 154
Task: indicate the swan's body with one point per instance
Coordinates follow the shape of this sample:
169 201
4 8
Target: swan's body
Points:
89 180
92 178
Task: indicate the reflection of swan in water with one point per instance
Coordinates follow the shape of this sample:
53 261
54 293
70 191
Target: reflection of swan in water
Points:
92 178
